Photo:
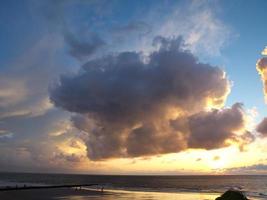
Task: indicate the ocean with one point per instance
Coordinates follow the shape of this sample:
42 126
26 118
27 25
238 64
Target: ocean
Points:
253 185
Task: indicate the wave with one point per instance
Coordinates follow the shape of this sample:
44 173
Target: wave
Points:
252 186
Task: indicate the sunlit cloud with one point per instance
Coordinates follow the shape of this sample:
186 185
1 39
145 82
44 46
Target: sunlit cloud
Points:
264 52
125 108
261 67
129 97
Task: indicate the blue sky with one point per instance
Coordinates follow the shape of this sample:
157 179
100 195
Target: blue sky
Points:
42 41
247 19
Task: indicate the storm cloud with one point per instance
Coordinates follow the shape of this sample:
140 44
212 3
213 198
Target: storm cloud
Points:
131 105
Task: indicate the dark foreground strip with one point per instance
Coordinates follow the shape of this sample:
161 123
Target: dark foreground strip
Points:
45 187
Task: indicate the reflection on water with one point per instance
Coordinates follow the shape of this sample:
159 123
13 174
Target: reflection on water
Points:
133 195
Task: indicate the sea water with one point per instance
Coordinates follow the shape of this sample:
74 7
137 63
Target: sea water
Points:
150 187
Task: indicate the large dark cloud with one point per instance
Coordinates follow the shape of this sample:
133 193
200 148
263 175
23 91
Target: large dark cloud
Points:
123 84
131 105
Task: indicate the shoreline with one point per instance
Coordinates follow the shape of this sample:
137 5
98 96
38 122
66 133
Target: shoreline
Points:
107 194
48 194
84 193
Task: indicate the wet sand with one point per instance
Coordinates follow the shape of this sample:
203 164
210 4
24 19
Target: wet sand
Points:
49 194
72 194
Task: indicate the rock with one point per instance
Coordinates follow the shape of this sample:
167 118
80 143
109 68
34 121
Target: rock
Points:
232 195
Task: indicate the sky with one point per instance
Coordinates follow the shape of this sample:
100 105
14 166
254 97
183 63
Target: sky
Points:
133 87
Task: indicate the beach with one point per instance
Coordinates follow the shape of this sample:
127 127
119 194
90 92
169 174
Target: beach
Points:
49 194
129 187
133 100
84 194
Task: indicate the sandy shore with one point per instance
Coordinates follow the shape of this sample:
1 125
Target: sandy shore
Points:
49 194
72 194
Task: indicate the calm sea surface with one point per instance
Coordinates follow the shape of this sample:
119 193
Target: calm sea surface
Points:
253 186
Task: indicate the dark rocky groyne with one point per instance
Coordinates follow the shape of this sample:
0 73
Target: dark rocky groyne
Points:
46 187
232 195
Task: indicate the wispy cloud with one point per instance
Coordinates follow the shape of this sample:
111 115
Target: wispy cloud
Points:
252 169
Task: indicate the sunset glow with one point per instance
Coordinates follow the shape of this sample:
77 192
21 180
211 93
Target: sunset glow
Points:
133 87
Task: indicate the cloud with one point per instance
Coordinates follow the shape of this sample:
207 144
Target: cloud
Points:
125 104
83 49
264 52
262 127
29 143
213 129
215 158
139 28
69 157
203 31
11 92
197 21
252 169
115 82
129 106
261 67
4 134
24 80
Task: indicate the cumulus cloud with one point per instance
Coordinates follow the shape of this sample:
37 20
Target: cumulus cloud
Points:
126 104
129 106
171 76
262 127
261 67
212 129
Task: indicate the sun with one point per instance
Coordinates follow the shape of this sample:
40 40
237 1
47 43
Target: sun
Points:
218 164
